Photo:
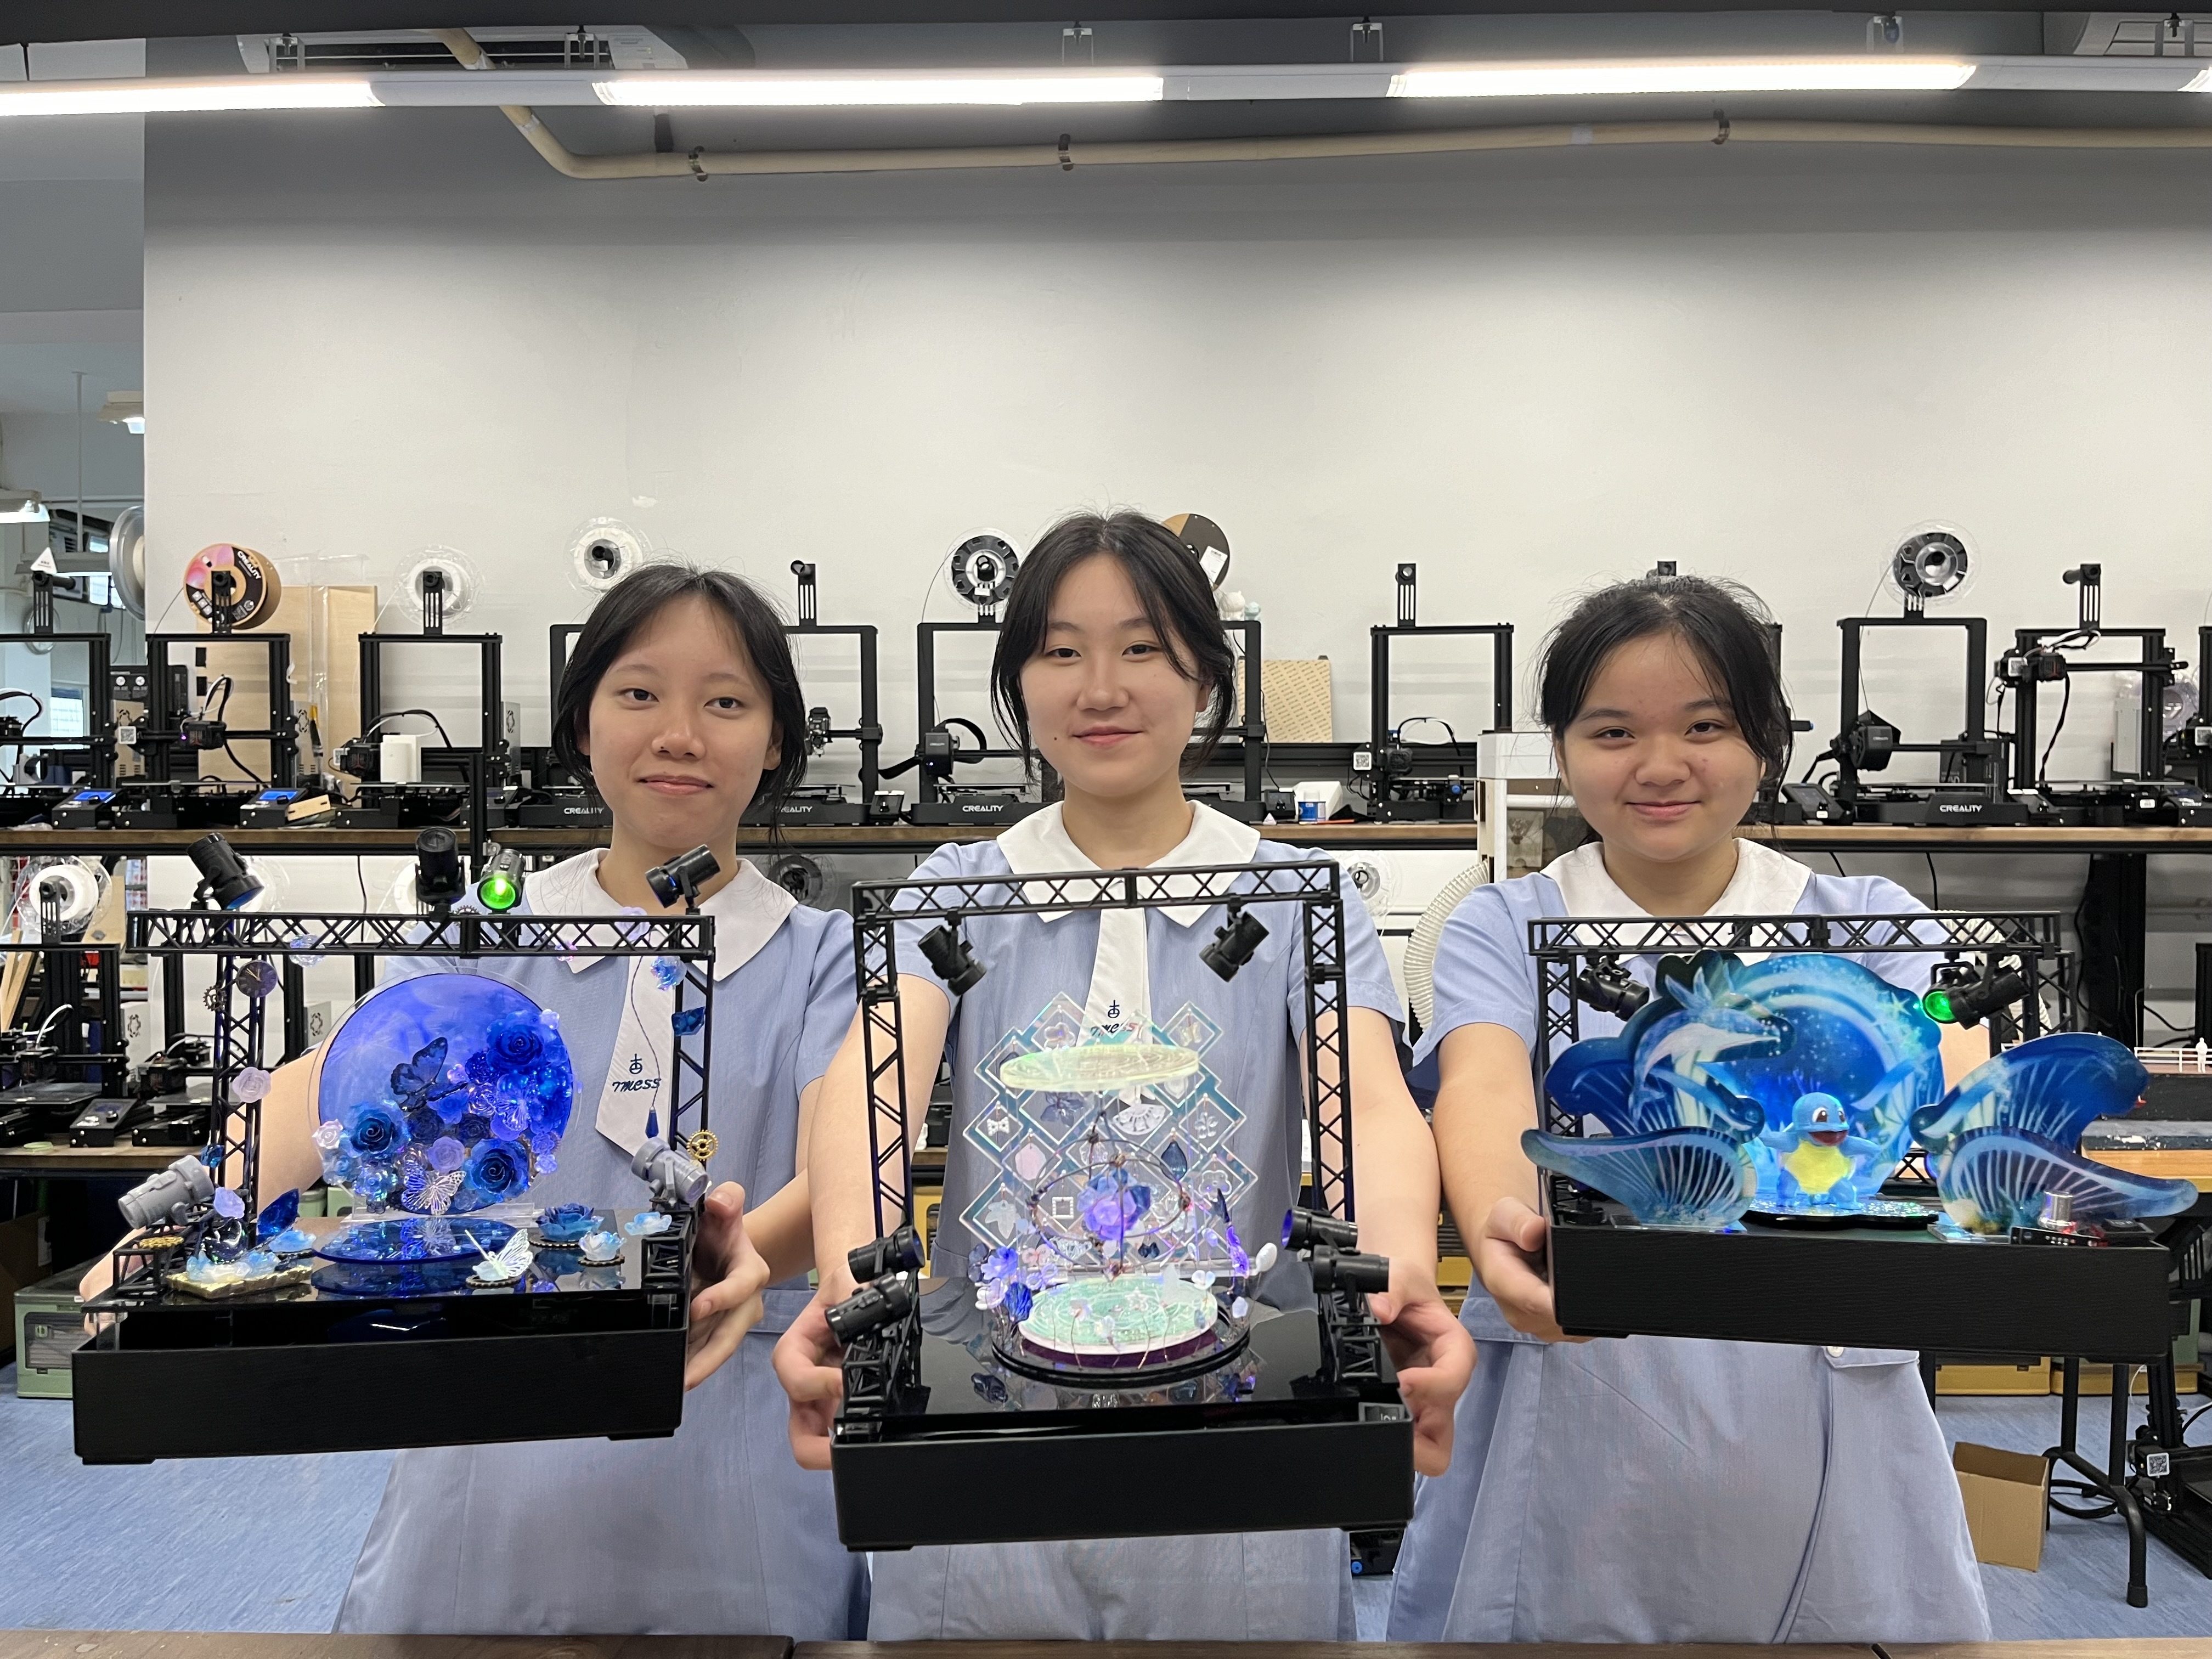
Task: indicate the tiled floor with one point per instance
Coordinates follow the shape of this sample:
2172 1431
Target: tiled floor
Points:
267 1544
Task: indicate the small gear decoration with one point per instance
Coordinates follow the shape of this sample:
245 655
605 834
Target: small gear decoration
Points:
703 1145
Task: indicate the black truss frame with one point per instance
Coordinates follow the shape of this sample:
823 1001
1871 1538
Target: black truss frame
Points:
1315 888
236 938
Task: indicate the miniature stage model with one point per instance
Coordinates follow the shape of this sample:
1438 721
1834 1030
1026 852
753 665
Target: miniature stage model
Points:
1785 1092
1112 1317
465 1316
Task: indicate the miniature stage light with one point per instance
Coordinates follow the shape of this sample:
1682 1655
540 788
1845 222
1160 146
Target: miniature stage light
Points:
678 881
1607 986
955 964
223 873
1234 942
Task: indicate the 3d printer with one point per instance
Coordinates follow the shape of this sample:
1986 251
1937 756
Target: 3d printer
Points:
1427 780
1970 785
982 572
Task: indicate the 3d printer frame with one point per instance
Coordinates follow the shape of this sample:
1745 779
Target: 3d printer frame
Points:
162 735
1391 762
450 1367
1328 1443
1875 1288
933 803
2157 666
1973 761
97 747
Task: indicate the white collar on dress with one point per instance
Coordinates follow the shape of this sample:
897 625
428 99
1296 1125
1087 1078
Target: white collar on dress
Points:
747 912
1765 883
1039 845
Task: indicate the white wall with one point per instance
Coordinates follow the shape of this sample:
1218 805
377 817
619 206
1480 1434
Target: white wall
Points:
1530 373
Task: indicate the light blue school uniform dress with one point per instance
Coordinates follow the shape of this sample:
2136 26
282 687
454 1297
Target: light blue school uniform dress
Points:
1043 971
714 1529
1656 1489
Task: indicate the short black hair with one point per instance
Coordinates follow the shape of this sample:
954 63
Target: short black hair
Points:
1170 584
636 600
1727 627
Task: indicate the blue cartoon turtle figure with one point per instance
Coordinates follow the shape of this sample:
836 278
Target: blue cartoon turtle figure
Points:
1817 1155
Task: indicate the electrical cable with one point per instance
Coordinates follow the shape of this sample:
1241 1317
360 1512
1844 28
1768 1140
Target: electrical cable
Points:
1397 731
395 713
360 876
2042 767
1935 886
252 776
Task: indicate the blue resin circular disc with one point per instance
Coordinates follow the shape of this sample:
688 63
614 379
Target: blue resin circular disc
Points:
442 1094
417 1238
393 1279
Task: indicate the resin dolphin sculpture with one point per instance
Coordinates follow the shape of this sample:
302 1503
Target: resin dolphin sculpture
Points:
2011 1132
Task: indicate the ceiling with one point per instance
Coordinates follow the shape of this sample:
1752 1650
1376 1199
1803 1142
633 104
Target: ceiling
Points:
84 20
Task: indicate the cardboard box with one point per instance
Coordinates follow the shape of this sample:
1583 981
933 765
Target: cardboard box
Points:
2007 1496
2029 1376
49 1328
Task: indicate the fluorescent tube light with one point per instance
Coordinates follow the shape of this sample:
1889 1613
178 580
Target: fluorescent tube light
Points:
157 97
663 90
1680 75
2200 81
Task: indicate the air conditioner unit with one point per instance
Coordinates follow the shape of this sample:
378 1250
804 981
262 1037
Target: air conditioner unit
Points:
2127 34
590 45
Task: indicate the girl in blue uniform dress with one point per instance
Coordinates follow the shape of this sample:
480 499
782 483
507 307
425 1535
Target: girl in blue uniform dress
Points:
1110 656
1652 1489
681 700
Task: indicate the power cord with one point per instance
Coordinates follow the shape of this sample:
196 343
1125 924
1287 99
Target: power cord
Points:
395 713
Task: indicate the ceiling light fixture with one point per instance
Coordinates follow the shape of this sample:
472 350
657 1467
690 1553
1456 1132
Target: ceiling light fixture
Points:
661 90
22 506
1662 75
126 410
259 92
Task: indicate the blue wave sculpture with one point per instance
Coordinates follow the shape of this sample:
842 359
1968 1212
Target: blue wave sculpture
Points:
2011 1133
1812 1062
1697 1178
442 1094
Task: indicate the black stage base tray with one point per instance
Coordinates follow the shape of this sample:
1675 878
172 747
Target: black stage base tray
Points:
988 1455
1861 1288
299 1370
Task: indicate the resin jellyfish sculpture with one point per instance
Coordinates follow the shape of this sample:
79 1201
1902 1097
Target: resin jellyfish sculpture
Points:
1117 1254
440 1095
1795 1087
2010 1136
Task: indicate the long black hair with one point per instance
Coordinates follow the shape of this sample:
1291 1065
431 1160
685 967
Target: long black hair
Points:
1727 627
1171 585
628 607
